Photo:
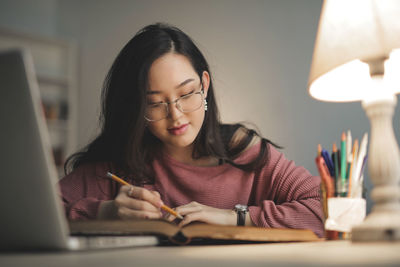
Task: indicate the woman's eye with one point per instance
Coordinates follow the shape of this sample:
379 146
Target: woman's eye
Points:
191 92
153 106
153 101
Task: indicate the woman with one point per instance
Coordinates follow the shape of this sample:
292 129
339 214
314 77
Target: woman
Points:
161 132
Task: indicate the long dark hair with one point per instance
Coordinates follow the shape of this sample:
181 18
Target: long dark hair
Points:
125 140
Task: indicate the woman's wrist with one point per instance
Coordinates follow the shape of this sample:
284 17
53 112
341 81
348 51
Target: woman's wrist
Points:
232 218
248 221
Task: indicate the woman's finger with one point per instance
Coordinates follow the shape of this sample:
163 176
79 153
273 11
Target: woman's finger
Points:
137 204
191 217
169 217
127 213
143 194
156 193
124 199
189 208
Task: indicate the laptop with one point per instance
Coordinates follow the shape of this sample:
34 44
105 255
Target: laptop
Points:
32 217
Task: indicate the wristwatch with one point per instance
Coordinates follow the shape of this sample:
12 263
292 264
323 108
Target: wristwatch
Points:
241 211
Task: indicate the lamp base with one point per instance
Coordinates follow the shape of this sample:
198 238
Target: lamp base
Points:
379 226
383 223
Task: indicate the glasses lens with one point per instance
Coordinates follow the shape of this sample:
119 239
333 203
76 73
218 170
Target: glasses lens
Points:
156 112
190 102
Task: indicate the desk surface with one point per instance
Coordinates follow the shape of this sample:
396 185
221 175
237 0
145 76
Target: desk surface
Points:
330 253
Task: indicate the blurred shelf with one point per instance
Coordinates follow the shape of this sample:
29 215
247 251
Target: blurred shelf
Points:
57 81
55 66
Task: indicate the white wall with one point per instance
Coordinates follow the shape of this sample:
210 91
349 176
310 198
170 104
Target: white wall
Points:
37 16
259 51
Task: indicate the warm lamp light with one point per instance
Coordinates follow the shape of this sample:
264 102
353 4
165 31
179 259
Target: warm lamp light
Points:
357 58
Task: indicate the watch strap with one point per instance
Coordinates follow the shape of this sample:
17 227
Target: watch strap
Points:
241 217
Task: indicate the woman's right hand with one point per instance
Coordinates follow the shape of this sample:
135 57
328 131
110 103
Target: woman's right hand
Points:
133 202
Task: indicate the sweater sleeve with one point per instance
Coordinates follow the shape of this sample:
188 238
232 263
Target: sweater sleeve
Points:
288 196
84 189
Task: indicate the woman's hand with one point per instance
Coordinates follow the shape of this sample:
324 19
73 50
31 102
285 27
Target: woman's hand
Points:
197 212
137 202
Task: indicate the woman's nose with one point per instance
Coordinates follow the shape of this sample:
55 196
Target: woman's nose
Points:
174 111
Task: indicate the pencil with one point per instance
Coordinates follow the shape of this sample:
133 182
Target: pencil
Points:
349 155
353 168
324 185
325 177
319 150
164 207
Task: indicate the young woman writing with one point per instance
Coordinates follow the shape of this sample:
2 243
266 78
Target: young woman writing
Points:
160 131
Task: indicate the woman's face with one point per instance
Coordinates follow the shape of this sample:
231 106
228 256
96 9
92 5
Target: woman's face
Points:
171 77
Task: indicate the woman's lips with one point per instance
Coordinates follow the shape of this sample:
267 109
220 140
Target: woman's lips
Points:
178 130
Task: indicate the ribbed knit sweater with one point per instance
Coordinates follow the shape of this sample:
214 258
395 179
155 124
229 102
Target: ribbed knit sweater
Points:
280 195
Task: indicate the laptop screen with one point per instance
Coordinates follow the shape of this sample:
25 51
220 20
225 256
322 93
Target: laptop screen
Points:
30 208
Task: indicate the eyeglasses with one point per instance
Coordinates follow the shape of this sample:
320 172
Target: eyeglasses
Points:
186 103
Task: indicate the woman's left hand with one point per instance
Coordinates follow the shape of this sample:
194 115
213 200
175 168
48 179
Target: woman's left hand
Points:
195 211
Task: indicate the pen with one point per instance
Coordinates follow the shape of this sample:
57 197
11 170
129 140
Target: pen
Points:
336 163
328 162
164 207
363 167
358 189
361 154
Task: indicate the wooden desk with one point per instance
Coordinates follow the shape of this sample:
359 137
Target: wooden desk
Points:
330 253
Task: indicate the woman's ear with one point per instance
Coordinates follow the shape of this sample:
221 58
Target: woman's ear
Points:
205 79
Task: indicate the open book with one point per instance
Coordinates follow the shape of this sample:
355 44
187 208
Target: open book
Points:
192 232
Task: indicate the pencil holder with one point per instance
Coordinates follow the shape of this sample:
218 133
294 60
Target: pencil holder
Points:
344 213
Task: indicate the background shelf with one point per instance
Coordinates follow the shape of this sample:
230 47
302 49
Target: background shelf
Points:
55 65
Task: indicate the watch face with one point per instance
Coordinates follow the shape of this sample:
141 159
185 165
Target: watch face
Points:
240 207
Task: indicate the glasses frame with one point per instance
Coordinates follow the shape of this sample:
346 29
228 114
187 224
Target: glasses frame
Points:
166 104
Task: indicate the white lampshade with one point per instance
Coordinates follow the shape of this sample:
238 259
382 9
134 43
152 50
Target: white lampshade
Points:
350 33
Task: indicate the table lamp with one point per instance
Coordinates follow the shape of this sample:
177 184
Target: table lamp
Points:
357 58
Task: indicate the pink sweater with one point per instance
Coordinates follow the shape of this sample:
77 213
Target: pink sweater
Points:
281 195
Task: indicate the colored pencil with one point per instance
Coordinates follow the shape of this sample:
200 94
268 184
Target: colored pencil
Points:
325 177
343 162
343 165
349 143
353 168
319 150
